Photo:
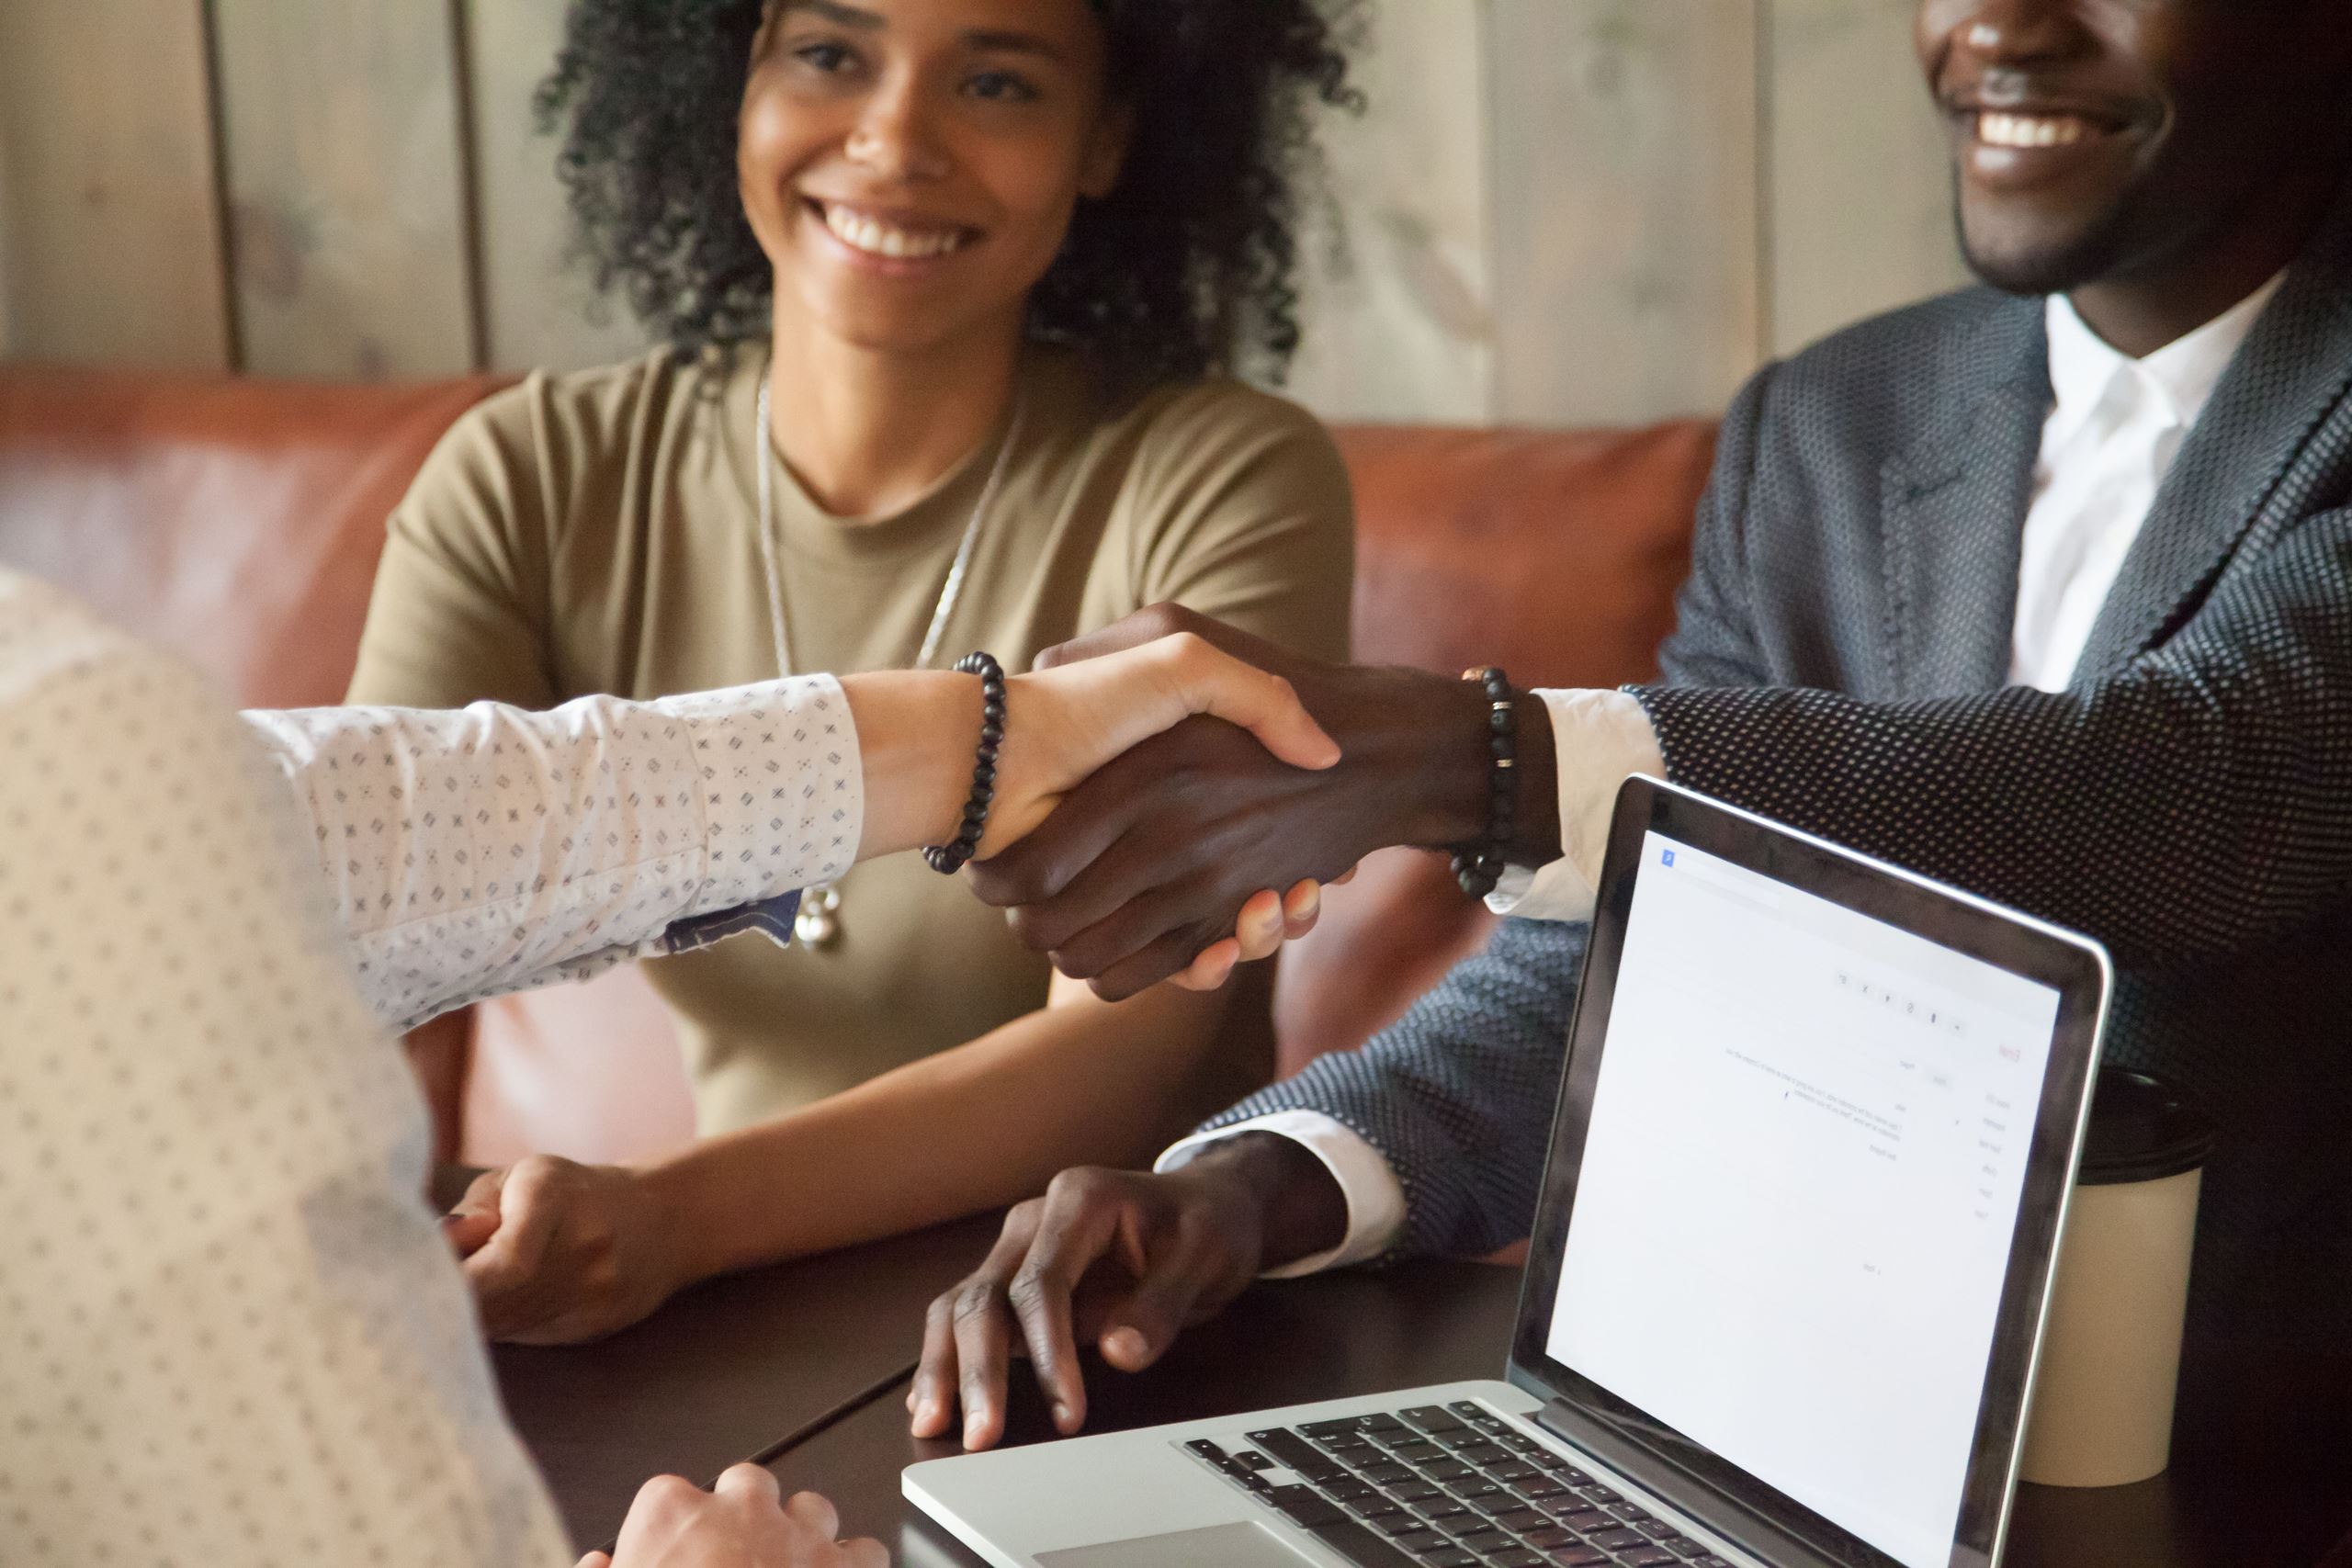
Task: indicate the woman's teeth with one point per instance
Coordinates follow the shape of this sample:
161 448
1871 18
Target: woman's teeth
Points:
2031 130
878 238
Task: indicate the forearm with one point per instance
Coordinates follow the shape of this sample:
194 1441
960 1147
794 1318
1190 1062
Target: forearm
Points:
1454 1096
918 733
1301 1208
985 1124
471 851
474 850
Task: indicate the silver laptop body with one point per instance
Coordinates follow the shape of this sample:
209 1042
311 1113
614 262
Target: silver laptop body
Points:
1808 1173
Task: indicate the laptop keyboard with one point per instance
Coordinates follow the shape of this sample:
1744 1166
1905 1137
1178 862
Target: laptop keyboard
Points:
1446 1487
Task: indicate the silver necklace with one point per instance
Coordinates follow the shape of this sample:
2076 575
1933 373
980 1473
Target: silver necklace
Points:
818 926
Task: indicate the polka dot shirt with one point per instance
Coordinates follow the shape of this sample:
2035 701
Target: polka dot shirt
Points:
232 1332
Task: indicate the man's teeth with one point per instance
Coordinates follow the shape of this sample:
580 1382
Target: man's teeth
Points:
882 240
2031 130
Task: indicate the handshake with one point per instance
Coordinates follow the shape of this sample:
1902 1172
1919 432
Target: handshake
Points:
1168 796
1131 848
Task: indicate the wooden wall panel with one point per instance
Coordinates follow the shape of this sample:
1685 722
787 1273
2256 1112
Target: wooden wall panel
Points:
538 309
1625 227
350 244
1398 316
1859 193
1555 211
108 201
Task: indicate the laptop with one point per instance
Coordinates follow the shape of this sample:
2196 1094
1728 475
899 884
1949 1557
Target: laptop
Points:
1809 1167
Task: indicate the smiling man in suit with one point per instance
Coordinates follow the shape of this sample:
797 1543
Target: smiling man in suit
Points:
2044 588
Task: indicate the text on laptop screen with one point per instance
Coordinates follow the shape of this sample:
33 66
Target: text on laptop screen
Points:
1800 1181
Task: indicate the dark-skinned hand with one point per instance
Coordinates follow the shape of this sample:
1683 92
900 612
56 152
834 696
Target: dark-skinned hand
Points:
1150 860
1120 1259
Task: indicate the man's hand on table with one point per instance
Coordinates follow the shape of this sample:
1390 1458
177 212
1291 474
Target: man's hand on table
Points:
1148 861
742 1522
1124 1260
558 1252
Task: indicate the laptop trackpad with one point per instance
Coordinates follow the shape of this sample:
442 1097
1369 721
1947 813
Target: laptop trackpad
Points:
1230 1546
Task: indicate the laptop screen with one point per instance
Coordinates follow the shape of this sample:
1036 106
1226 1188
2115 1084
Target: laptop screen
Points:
1803 1159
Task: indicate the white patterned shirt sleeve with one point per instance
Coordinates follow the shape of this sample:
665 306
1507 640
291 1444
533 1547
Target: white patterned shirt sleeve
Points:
233 1333
470 853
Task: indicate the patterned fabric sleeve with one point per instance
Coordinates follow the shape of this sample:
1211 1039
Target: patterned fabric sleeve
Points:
2180 809
1457 1094
473 852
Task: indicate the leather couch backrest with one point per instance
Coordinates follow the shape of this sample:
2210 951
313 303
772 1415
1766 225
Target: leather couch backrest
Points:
236 521
239 521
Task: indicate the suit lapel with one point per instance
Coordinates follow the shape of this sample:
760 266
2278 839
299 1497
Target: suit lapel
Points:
2292 370
1952 504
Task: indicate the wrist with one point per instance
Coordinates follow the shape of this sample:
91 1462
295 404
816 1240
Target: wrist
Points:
918 732
683 1243
1300 1208
1450 804
1447 765
1536 838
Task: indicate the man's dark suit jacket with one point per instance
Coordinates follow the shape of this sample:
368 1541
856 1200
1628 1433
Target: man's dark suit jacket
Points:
1838 664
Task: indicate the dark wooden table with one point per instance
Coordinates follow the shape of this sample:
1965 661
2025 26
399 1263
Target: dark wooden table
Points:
732 1369
804 1367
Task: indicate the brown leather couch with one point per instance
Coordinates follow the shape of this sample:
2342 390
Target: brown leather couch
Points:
239 521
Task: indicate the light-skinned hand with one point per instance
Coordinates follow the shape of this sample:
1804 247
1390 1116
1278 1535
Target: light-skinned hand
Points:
558 1252
742 1522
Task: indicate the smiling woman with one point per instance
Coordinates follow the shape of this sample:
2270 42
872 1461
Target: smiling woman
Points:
1181 266
951 290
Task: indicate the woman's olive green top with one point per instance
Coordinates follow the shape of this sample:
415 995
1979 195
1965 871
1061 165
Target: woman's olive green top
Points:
597 533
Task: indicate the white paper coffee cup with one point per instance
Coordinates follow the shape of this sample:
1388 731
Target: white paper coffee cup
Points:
2110 1356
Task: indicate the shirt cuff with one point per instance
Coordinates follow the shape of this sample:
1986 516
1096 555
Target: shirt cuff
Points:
1375 1198
1601 738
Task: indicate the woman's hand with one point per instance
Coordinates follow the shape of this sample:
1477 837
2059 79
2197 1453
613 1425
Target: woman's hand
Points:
1063 724
917 731
1267 920
558 1252
742 1522
1066 722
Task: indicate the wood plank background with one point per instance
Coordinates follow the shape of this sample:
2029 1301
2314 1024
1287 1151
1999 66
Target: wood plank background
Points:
110 231
1555 212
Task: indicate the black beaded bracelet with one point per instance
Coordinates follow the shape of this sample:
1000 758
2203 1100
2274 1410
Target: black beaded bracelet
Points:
1479 870
949 858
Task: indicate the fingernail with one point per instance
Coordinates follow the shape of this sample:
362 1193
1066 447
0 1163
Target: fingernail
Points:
1061 1416
1125 1344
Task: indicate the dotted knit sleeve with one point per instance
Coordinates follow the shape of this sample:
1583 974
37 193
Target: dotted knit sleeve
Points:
484 849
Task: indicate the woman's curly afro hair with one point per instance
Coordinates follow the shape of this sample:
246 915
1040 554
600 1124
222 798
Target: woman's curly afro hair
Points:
1186 268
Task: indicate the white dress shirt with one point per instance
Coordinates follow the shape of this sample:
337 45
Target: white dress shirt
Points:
234 1333
2114 427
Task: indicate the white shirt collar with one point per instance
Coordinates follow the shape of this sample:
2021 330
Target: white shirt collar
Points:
2179 378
